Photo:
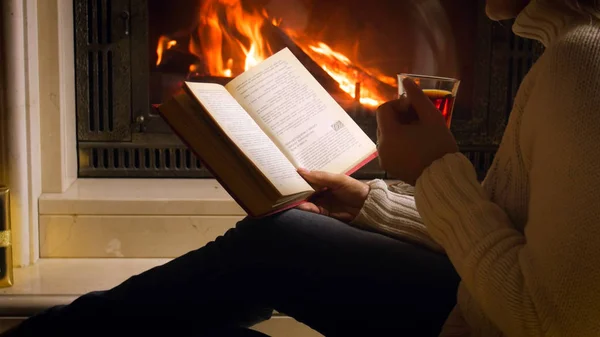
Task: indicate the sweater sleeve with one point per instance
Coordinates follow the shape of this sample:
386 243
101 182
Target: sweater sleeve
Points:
391 210
543 282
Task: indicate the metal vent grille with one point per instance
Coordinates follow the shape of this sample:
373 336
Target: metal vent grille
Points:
103 81
124 160
100 64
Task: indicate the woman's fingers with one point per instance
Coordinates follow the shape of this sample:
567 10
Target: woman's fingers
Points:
424 108
309 207
322 179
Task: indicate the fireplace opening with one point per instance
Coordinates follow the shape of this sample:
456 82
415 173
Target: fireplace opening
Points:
131 55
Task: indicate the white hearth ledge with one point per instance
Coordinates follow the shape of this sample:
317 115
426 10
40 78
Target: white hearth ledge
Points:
134 218
141 197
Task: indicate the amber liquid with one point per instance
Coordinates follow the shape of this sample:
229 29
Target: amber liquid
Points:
443 101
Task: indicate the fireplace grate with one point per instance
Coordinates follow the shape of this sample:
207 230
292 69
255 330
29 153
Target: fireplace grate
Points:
128 160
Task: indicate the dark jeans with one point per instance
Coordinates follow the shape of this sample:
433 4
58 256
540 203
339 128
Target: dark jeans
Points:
339 280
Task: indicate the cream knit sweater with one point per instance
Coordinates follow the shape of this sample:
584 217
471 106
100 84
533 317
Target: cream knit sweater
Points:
526 242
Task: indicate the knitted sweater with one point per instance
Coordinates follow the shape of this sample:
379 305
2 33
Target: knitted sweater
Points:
526 242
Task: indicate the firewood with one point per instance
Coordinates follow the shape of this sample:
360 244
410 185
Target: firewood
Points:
278 40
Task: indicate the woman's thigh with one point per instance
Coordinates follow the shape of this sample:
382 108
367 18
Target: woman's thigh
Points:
344 281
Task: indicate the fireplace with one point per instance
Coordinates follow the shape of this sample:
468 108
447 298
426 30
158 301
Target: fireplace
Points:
133 54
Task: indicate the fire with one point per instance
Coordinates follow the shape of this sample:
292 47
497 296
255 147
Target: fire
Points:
228 40
325 50
252 57
341 69
163 44
227 72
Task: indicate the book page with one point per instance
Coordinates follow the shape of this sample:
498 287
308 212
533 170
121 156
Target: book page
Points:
249 137
307 124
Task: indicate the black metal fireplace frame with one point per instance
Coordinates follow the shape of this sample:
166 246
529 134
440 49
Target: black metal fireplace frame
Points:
119 135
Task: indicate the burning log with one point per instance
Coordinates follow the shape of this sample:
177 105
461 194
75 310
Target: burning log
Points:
176 60
364 85
350 84
279 39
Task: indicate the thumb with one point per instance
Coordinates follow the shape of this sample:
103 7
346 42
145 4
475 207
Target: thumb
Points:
323 179
425 109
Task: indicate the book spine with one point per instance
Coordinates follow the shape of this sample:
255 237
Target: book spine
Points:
208 167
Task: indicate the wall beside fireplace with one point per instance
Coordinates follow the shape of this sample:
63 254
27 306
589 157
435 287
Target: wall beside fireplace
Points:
118 76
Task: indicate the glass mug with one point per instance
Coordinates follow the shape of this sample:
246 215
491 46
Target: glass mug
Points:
440 90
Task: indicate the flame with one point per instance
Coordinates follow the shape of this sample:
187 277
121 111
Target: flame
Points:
163 44
326 50
346 74
252 57
228 72
228 40
228 32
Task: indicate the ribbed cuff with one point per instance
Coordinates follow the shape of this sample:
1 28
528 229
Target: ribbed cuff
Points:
454 206
393 214
376 199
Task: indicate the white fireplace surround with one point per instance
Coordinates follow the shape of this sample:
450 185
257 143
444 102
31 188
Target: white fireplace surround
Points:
56 214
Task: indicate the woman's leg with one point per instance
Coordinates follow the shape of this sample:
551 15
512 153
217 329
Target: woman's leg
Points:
335 278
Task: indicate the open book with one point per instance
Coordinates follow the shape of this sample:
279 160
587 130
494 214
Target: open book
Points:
254 132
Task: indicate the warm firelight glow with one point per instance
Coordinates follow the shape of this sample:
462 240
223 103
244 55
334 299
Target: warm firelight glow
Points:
226 28
229 40
345 77
325 50
163 44
252 58
228 72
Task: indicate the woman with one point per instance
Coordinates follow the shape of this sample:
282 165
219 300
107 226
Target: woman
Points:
525 244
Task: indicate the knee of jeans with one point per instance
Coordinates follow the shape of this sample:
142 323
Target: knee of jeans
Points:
254 227
282 217
278 224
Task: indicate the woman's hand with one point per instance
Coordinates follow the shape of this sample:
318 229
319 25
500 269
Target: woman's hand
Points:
339 196
408 144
